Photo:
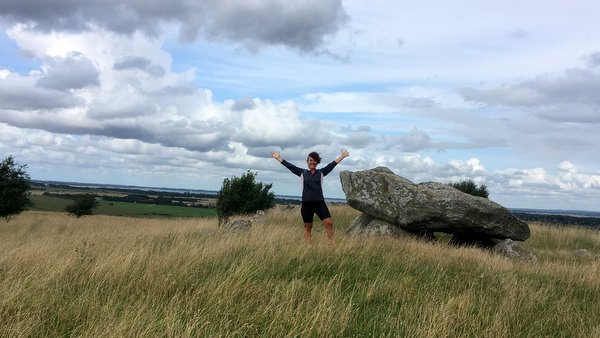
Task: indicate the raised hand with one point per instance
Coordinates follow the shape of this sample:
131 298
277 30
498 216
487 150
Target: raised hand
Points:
345 153
276 155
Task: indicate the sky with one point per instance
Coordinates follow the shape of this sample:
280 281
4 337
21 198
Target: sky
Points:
184 94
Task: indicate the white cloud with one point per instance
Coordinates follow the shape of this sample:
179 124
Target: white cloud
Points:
167 110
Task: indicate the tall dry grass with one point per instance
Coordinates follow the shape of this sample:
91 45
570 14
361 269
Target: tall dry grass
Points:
114 276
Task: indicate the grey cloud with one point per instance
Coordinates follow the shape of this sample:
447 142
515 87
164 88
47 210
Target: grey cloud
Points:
577 113
134 62
139 63
213 141
359 140
416 140
105 109
124 132
359 137
572 97
421 102
243 104
261 152
176 90
577 85
17 93
196 136
210 138
72 72
299 25
594 59
518 95
362 128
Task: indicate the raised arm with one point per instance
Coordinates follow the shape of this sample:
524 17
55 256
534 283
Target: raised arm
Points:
276 155
345 153
297 171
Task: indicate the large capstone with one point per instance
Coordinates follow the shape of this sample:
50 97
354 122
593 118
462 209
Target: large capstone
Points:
428 207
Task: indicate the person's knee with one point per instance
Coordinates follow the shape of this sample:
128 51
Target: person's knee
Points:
308 226
328 222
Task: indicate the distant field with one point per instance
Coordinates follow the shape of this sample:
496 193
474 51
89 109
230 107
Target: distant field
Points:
46 203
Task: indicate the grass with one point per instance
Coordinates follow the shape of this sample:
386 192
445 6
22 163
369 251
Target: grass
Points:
50 203
118 276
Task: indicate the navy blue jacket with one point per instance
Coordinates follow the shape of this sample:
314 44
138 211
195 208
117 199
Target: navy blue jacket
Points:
311 183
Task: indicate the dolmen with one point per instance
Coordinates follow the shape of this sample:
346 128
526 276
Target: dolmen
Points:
395 206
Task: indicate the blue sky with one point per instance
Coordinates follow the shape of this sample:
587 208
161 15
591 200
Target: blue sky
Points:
184 94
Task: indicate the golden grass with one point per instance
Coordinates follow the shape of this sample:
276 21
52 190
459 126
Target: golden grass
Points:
116 276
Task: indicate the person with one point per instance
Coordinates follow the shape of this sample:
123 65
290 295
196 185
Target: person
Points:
313 201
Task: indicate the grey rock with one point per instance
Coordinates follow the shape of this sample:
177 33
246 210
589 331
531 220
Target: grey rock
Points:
428 207
259 217
582 253
238 225
367 225
509 248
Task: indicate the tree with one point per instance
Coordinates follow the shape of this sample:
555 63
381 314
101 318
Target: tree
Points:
14 188
83 205
470 187
242 195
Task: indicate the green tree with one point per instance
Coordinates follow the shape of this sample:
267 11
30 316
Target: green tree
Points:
242 195
470 187
14 188
82 205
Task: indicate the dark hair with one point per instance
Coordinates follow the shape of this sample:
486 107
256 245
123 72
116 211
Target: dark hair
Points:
315 156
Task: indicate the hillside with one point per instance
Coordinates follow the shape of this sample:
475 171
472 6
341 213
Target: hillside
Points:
117 276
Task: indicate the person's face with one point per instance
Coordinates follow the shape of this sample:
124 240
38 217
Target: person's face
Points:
312 164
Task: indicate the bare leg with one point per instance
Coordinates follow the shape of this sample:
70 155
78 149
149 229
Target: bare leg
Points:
307 229
328 222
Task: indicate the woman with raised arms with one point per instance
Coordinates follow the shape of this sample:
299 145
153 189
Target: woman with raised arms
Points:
313 201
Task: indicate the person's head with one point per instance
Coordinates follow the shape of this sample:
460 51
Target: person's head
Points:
312 160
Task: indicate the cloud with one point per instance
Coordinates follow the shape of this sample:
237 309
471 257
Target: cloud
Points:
415 140
593 59
572 97
21 93
243 104
108 93
139 63
363 102
549 118
74 71
303 25
269 124
357 138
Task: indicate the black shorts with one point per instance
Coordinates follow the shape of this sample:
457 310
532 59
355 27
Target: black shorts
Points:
309 208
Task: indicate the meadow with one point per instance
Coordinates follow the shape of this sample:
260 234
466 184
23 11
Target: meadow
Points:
184 277
48 203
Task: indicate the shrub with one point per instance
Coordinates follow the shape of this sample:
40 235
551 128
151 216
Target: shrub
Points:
242 195
14 188
83 205
470 187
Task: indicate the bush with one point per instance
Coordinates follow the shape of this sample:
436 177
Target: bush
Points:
242 195
83 205
14 188
470 187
